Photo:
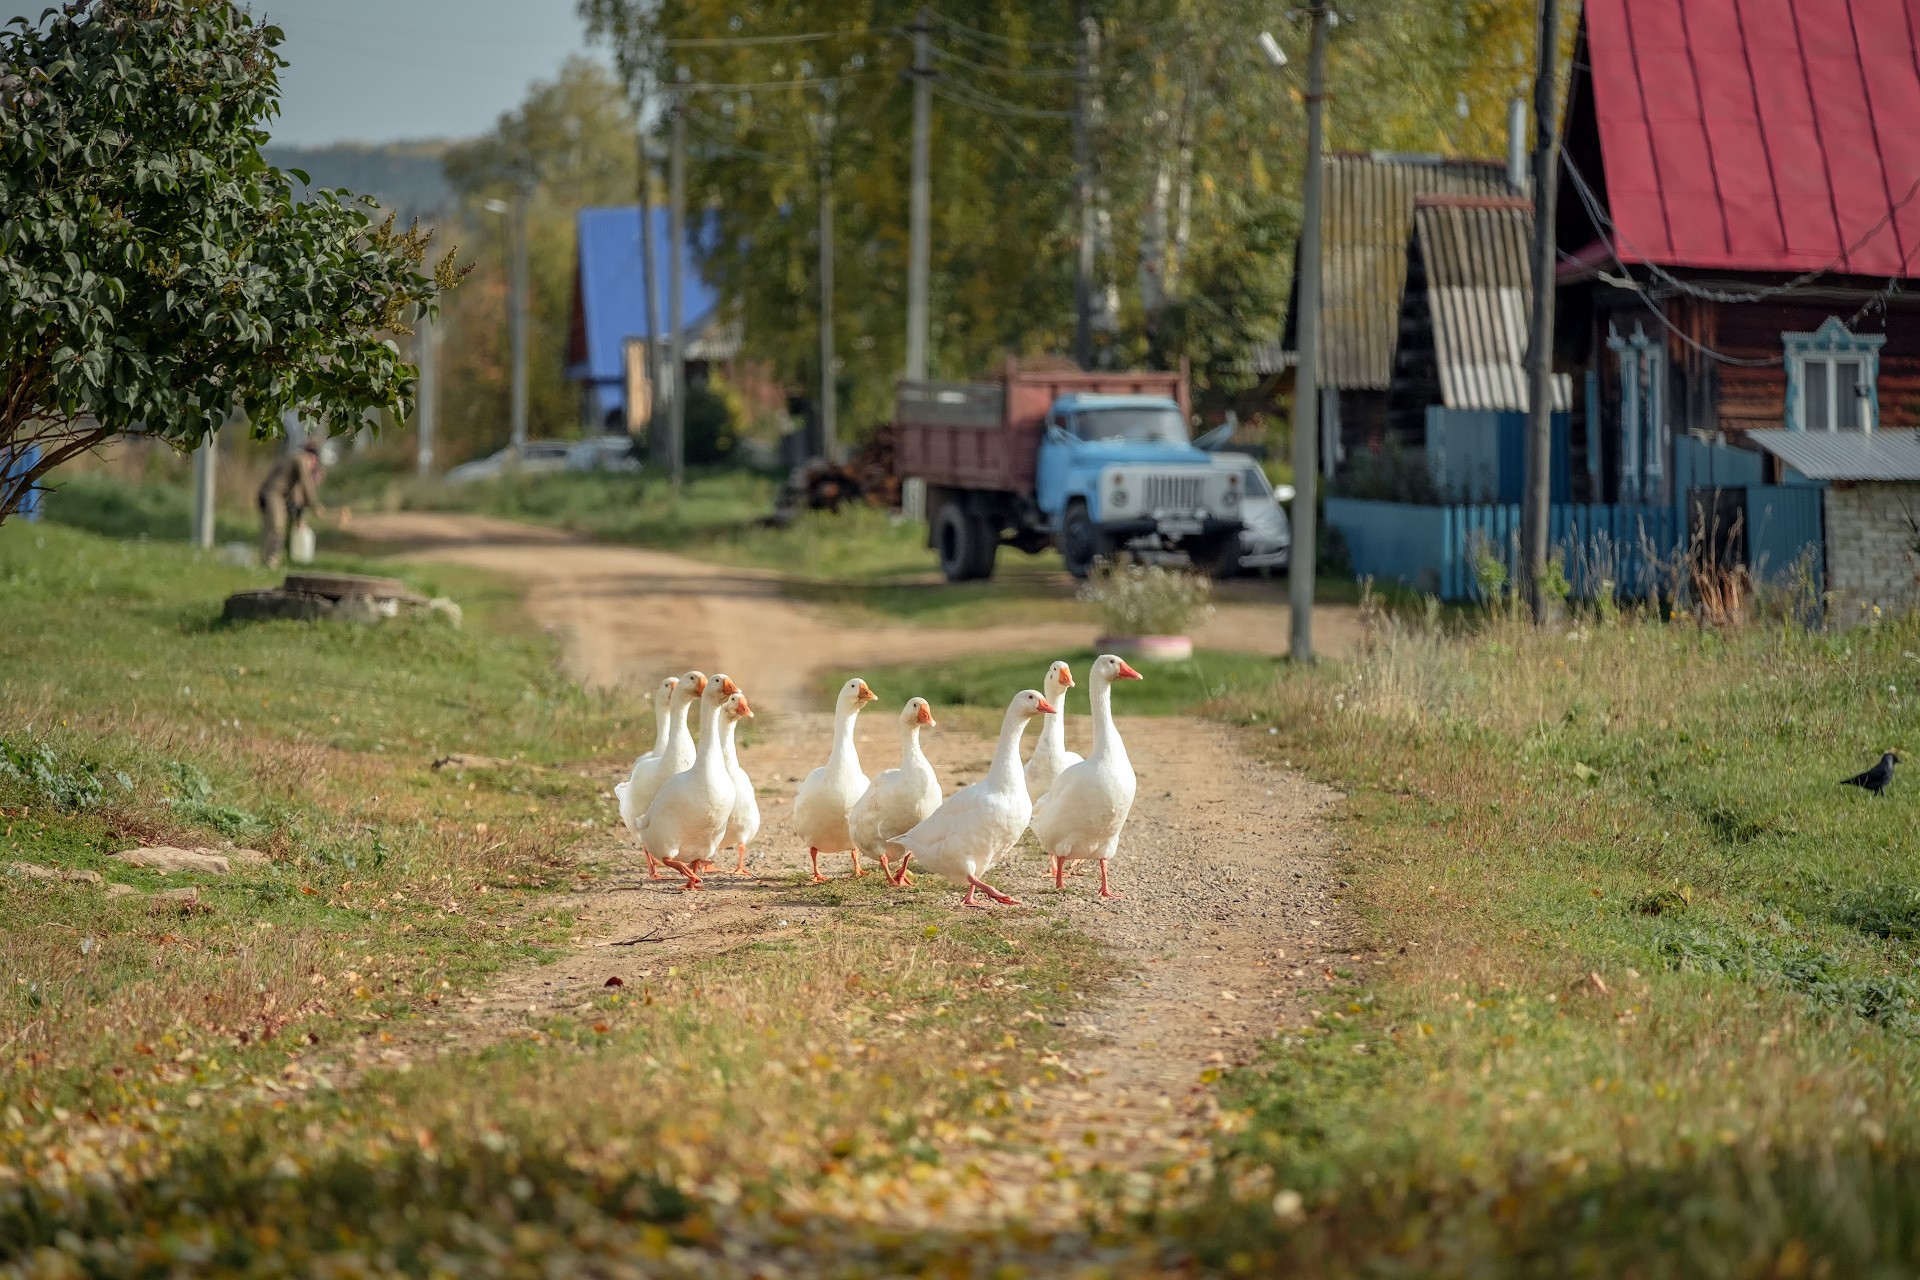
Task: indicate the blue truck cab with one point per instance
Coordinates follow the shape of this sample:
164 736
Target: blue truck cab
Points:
1090 461
1119 471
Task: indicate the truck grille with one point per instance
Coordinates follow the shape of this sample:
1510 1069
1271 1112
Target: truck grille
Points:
1178 493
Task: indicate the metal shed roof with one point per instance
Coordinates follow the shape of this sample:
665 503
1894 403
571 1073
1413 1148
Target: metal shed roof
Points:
1479 288
612 300
1762 135
1844 455
1364 224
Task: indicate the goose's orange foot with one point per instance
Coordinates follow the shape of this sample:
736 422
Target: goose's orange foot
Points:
1105 891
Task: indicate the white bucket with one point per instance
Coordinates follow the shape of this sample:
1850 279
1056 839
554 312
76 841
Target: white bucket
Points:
302 548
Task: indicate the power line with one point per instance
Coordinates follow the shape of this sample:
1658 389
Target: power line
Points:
707 86
1606 224
1034 73
980 100
1009 41
730 42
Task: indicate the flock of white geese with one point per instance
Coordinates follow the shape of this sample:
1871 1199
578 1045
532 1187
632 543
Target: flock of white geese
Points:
686 803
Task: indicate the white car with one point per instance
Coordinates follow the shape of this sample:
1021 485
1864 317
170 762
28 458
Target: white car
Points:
535 457
604 453
1266 535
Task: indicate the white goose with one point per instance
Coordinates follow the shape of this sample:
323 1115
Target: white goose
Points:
1050 754
684 825
743 826
662 696
899 799
676 756
980 823
821 805
1081 816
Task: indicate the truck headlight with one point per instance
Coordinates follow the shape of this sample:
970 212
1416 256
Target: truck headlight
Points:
1120 496
1232 498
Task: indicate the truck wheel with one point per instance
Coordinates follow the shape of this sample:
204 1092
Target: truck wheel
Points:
1081 542
985 549
954 536
1216 557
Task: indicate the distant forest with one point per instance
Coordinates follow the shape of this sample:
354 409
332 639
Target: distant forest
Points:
404 176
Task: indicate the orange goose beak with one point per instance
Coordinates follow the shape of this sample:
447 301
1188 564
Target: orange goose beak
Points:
727 686
926 716
1128 673
1048 709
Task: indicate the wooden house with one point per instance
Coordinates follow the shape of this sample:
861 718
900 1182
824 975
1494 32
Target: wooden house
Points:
1366 219
1737 221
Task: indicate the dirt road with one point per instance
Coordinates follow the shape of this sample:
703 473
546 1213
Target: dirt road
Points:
1230 921
630 615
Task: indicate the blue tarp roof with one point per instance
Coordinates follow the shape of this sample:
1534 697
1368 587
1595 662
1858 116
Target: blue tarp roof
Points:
612 296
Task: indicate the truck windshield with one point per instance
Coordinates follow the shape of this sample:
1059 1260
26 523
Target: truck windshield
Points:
1146 425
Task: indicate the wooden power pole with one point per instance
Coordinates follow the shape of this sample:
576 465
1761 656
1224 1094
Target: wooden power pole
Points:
1306 397
1539 447
919 242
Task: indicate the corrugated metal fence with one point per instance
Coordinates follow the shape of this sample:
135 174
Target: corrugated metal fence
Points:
1438 549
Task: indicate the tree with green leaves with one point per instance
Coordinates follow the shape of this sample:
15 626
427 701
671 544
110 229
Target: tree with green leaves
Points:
155 272
1197 148
572 140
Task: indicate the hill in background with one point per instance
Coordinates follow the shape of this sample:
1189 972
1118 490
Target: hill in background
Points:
404 176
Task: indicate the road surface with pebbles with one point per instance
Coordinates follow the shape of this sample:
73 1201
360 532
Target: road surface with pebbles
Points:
1229 927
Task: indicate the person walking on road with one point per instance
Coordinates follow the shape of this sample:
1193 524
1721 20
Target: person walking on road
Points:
291 489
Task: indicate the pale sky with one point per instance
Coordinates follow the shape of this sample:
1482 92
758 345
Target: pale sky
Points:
383 70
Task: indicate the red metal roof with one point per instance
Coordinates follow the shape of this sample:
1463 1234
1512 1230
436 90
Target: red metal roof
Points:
1760 135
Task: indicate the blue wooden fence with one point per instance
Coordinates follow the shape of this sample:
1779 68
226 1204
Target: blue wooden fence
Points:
1479 455
1436 549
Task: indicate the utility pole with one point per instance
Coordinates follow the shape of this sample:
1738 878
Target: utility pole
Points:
1306 398
829 409
427 356
205 460
1083 186
520 202
1546 141
918 232
676 300
658 447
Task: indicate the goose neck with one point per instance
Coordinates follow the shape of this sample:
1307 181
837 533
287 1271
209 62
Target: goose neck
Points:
1054 728
1006 756
843 748
662 724
706 755
1106 739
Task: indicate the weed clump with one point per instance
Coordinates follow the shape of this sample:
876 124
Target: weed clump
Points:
71 785
1133 599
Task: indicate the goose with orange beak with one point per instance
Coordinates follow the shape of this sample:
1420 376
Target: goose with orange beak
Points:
1081 816
827 796
899 799
979 824
687 820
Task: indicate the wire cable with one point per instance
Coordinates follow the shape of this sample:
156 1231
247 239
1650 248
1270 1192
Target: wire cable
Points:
1608 226
735 42
980 100
1025 73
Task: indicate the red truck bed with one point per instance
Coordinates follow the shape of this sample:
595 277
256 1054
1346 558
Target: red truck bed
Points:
986 435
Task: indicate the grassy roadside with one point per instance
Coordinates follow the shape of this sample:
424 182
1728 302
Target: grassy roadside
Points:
1649 998
988 681
275 1081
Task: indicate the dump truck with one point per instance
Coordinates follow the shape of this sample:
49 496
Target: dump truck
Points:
1091 463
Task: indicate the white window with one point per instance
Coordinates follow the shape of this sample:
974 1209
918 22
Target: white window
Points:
1644 435
1833 377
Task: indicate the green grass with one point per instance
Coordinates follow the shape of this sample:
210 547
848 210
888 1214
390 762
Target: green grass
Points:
990 681
1638 993
213 1092
149 509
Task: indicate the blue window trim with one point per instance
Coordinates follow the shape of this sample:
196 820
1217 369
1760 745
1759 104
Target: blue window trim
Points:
1832 339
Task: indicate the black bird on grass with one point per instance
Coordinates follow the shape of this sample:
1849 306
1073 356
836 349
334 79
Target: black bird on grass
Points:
1876 778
